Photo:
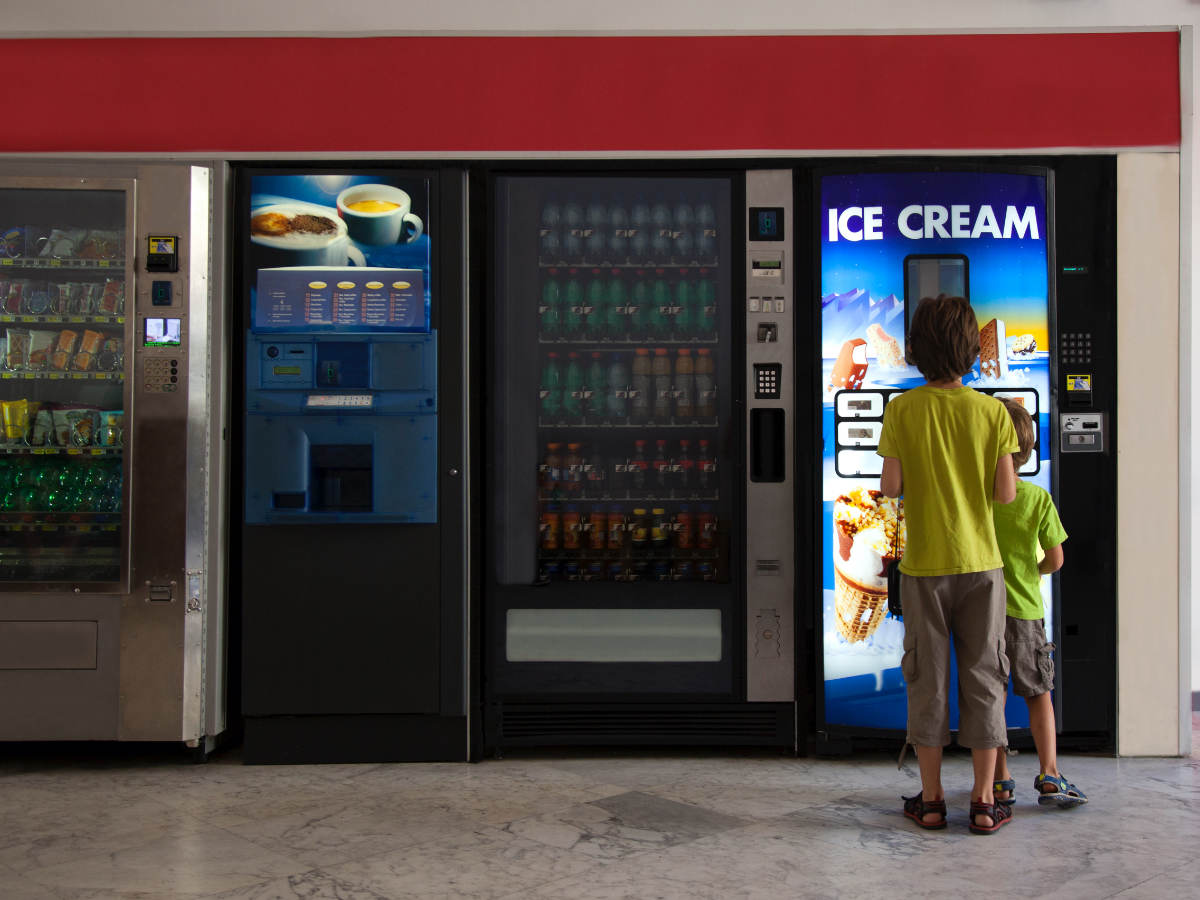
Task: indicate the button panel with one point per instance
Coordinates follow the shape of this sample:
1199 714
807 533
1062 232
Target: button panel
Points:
160 375
1075 347
767 377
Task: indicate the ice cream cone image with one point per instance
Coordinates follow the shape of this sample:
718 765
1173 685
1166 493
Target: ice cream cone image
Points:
868 533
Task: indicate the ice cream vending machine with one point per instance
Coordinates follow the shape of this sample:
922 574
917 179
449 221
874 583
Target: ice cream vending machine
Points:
1030 247
112 464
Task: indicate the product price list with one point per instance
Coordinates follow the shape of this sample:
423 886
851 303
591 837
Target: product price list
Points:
352 298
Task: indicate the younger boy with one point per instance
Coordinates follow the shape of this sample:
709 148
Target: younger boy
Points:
1022 526
948 450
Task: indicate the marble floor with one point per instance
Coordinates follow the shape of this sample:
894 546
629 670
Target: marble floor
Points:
578 824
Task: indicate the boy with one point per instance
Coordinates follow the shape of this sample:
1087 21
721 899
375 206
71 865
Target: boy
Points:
948 450
1022 526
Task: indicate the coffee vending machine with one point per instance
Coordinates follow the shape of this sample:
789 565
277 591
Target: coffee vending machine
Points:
112 464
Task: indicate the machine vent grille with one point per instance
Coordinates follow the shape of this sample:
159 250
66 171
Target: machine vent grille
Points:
743 726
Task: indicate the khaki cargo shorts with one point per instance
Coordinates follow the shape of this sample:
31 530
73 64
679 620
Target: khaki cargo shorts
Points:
970 608
1029 657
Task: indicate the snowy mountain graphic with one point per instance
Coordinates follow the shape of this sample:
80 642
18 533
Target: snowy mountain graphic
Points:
846 316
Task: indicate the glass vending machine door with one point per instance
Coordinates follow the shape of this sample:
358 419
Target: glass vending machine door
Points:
64 271
612 449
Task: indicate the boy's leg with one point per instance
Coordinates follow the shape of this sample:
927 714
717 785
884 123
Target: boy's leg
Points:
926 668
983 761
929 760
1041 723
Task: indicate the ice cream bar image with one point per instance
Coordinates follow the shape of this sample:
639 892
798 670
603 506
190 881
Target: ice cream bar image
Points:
993 357
887 351
1024 344
851 366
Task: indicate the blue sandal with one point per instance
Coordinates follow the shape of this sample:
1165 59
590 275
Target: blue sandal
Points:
1009 785
1062 793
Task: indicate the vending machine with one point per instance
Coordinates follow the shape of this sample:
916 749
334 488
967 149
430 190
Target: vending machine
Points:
639 583
351 547
112 463
1029 246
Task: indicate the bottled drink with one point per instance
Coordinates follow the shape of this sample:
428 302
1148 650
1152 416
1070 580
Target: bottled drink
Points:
706 529
574 318
570 528
572 398
595 307
551 391
618 479
682 223
597 530
639 307
706 470
595 476
618 240
550 527
683 529
660 530
639 533
573 230
685 481
682 249
595 231
706 303
639 231
550 232
704 246
638 468
617 398
683 308
659 321
660 470
706 388
550 471
551 214
616 529
595 385
640 401
616 314
685 387
706 233
550 310
660 232
682 214
663 394
573 474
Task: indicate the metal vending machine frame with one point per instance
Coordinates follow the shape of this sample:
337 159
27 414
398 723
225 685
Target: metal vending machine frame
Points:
140 653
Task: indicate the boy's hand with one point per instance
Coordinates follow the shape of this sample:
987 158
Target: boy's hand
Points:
1052 561
891 482
1005 490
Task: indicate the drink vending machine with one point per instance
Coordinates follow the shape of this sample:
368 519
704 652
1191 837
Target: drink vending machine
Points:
112 463
626 491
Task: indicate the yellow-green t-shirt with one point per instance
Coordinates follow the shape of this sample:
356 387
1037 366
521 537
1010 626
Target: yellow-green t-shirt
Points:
948 441
1022 526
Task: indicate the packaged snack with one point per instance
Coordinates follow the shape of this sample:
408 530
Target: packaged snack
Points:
12 241
43 428
41 345
87 298
62 426
101 244
64 349
16 420
37 301
14 300
62 297
89 346
112 428
63 242
17 354
112 355
112 301
81 425
5 283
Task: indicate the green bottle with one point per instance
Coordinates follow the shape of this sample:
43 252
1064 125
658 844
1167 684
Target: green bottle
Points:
595 307
684 309
550 310
660 309
551 393
574 320
706 301
639 309
616 314
573 390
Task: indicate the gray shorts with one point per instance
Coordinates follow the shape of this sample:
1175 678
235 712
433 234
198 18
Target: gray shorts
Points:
970 608
1029 656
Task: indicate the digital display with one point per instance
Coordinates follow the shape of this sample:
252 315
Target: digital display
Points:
766 223
161 333
287 370
339 401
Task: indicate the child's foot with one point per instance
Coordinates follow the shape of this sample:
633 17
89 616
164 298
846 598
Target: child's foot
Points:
988 818
1004 790
929 814
1055 790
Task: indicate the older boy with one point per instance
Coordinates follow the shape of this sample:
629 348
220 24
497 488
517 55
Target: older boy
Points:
948 450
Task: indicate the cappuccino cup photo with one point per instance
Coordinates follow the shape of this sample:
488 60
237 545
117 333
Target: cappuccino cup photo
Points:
288 235
379 214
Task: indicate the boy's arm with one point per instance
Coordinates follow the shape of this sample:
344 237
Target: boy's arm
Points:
1052 561
891 482
1005 489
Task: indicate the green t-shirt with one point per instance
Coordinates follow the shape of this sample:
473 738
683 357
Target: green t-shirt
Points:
948 441
1022 526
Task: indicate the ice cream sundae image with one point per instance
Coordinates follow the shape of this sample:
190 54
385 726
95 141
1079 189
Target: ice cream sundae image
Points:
868 533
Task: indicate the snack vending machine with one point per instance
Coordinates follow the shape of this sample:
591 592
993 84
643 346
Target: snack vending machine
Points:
887 237
615 604
112 601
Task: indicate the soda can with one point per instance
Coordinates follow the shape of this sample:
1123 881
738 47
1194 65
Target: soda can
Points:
706 571
616 571
662 570
571 569
551 571
683 570
595 571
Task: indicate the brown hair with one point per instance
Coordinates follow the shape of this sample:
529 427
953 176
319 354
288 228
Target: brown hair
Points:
943 337
1023 423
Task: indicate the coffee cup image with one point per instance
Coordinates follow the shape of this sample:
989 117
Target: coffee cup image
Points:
289 235
379 214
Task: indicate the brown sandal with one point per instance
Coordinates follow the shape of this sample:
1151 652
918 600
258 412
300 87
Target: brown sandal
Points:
1000 814
916 809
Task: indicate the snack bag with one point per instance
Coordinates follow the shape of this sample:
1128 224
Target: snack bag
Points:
112 428
112 355
62 297
37 301
87 297
101 244
43 428
17 355
64 350
112 301
61 243
12 241
41 345
14 300
16 420
89 346
62 427
81 425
